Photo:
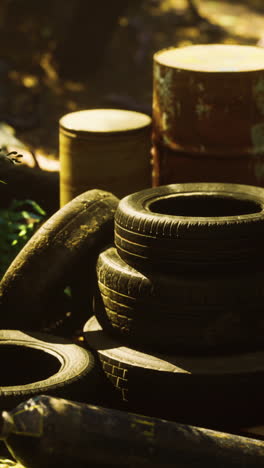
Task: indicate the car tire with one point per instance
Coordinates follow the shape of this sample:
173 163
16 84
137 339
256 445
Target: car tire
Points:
179 312
192 227
63 248
39 363
223 392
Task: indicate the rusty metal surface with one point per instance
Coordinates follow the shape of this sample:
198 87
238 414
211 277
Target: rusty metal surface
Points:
216 116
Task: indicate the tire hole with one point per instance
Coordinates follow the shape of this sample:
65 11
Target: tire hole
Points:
23 365
203 206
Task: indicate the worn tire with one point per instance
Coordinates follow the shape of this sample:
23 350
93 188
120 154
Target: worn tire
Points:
64 249
192 227
221 392
37 363
171 312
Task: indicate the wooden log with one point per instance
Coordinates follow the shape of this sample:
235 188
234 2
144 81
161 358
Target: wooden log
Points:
53 432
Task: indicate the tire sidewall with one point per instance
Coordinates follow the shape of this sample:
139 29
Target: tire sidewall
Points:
134 213
75 362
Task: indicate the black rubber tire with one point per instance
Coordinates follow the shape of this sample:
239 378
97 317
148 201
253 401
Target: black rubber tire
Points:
192 227
221 392
38 363
173 312
64 249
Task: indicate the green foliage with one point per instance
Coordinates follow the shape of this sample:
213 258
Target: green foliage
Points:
17 224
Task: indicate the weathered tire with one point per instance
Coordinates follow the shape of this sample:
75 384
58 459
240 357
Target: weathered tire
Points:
37 363
194 226
173 312
223 392
64 249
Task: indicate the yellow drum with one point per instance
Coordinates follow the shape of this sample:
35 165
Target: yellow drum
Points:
106 149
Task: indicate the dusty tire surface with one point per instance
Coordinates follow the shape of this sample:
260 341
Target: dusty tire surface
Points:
63 248
177 312
221 392
38 363
192 226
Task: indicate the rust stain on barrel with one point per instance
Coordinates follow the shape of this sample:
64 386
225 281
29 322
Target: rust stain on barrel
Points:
208 102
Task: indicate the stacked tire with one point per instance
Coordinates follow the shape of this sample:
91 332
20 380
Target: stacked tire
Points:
179 310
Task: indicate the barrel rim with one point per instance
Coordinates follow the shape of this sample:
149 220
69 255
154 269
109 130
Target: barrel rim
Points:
157 61
106 133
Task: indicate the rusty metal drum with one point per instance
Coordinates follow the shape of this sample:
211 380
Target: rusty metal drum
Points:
106 149
208 114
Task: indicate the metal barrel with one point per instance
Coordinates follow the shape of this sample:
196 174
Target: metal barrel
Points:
208 114
106 149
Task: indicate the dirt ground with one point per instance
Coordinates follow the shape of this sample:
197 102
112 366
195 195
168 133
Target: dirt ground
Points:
124 78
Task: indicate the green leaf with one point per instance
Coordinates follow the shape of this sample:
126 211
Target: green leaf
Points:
17 225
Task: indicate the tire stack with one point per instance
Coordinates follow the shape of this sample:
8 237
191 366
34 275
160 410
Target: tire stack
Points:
179 318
